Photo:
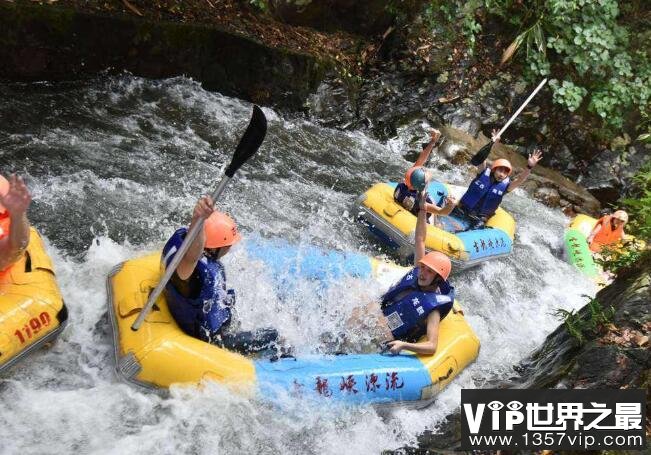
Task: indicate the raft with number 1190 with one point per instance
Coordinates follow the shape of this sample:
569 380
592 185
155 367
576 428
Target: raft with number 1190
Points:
32 312
160 354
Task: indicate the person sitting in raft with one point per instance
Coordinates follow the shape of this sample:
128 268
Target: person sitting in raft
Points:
14 226
197 295
608 230
416 305
407 192
485 192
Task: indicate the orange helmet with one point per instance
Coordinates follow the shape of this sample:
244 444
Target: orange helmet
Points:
415 178
4 189
220 230
502 163
621 215
438 262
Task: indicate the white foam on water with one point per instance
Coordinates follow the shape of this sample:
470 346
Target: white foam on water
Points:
141 153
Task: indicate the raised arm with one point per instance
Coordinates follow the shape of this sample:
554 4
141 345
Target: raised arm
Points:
16 202
202 210
421 229
531 163
424 154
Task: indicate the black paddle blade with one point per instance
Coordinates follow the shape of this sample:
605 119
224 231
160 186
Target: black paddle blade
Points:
482 154
250 142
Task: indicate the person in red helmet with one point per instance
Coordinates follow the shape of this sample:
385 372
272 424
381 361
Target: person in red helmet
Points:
416 178
415 305
14 226
485 192
197 295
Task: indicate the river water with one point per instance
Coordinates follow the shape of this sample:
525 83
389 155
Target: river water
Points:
115 165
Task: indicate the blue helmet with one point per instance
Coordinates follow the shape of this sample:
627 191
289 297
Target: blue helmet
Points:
415 178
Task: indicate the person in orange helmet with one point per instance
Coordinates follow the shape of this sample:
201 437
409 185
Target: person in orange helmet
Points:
197 295
492 182
415 305
608 230
14 226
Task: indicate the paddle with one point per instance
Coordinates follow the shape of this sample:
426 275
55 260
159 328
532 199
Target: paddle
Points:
483 152
249 144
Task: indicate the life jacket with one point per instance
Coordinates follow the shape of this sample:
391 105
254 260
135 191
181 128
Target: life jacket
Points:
406 307
409 198
204 316
484 195
606 235
5 222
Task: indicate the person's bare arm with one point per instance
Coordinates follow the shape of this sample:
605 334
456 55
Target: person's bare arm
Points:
202 210
421 229
531 163
425 153
427 347
16 202
450 203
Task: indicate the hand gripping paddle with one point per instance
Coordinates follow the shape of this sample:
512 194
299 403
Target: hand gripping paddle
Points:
249 144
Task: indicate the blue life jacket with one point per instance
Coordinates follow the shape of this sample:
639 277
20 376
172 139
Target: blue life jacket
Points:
406 307
204 316
408 198
484 195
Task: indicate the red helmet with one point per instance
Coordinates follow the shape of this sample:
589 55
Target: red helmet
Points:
438 262
220 230
502 163
4 189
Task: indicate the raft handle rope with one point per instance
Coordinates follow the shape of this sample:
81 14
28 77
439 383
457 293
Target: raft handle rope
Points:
248 145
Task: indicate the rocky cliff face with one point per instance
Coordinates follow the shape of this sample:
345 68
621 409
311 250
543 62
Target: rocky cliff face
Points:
610 355
62 43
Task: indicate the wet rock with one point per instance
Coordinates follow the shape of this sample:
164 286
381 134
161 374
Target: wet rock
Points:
331 104
602 178
465 116
362 17
606 359
560 157
548 196
57 43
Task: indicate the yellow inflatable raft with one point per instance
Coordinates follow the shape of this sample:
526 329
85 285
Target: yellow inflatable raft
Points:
394 225
32 311
159 354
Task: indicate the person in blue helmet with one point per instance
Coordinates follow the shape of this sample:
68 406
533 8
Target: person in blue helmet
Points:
407 192
414 307
492 182
197 295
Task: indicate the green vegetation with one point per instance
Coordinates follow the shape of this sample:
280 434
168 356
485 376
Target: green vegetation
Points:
638 205
595 61
593 318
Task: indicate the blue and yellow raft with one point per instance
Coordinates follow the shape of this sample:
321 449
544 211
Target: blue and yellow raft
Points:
32 312
395 226
160 354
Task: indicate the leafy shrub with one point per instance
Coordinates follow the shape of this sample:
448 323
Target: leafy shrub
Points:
589 55
589 320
